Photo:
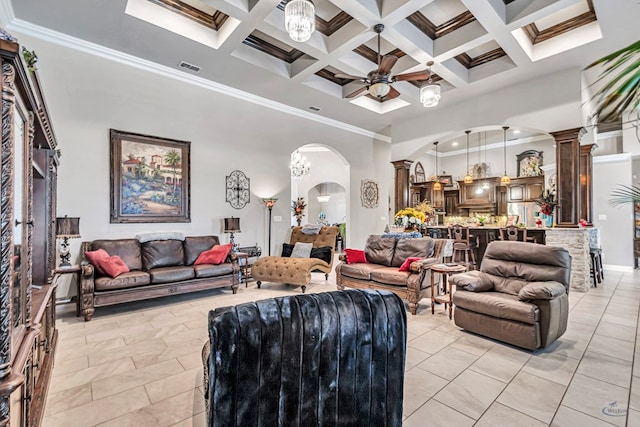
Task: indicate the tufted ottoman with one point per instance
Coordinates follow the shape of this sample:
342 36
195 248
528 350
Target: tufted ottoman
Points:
296 271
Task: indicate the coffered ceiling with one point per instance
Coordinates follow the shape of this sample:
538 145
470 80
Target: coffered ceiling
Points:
477 45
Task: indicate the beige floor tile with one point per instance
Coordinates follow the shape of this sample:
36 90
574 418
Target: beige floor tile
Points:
431 342
470 393
584 317
164 413
500 415
93 373
171 385
633 418
91 348
419 386
199 420
161 323
567 346
473 344
594 397
567 417
67 399
578 331
501 362
133 350
534 396
68 364
613 330
612 347
448 363
435 414
119 332
414 357
634 398
101 410
191 360
119 383
605 368
619 319
623 310
186 336
552 367
156 333
167 353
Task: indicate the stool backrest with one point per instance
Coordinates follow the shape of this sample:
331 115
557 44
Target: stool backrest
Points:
513 233
459 233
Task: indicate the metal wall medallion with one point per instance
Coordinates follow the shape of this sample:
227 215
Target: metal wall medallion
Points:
369 193
238 189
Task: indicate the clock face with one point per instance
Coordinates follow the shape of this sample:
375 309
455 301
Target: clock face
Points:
237 189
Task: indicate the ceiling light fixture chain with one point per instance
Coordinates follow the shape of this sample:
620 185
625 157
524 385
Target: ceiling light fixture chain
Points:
299 165
436 185
505 180
430 93
300 19
468 179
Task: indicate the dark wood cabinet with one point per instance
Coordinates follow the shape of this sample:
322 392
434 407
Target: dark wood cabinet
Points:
501 200
27 208
526 189
424 191
451 201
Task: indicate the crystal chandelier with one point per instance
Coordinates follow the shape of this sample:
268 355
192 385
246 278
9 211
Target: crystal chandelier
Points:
299 165
430 94
300 19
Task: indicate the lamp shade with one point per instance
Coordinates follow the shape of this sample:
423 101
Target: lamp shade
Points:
68 227
269 201
380 89
430 95
232 225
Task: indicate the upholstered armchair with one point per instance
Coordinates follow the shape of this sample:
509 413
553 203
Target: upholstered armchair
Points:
519 295
333 358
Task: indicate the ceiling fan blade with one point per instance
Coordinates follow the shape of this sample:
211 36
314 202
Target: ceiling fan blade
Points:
393 93
349 76
418 75
388 61
357 92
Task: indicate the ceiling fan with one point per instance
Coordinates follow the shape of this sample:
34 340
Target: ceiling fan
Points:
378 82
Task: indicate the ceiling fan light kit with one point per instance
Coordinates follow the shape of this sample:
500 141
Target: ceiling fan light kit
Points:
379 89
300 19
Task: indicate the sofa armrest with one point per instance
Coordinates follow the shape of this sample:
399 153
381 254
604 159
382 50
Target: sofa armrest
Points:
541 290
423 264
472 281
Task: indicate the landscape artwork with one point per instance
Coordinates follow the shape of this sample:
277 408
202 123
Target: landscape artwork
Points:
149 179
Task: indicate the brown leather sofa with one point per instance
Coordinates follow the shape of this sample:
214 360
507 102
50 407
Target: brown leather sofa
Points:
385 255
519 296
157 268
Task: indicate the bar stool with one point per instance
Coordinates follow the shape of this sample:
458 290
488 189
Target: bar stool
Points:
464 245
596 271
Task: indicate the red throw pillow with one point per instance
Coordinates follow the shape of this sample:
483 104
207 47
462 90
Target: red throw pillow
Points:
407 263
216 255
356 256
95 257
113 266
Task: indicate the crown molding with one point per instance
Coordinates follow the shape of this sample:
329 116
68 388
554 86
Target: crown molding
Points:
7 16
61 39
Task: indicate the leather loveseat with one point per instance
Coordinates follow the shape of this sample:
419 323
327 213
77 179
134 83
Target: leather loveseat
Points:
157 268
384 257
519 296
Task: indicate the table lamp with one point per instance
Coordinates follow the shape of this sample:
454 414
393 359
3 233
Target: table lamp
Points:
232 225
66 228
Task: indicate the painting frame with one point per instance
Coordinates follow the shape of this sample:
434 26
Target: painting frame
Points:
148 182
529 163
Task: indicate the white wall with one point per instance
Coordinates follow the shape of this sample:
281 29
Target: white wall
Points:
335 209
87 95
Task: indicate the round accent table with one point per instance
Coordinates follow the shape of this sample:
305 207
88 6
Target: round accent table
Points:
445 270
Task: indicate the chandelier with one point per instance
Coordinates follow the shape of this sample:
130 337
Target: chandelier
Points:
300 19
430 94
299 165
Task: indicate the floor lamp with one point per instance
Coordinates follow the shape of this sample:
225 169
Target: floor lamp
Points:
269 202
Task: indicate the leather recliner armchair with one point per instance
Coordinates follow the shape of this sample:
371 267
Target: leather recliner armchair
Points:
519 296
334 358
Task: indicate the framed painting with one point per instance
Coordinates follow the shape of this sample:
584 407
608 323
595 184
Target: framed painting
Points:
529 163
445 180
420 175
149 179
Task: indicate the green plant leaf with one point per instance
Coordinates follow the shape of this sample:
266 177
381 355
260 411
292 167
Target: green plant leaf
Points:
624 194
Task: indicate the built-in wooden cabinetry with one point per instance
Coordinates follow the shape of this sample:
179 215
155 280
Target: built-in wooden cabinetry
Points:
421 191
526 189
478 197
27 211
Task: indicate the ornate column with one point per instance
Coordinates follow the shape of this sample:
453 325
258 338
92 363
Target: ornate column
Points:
586 182
568 170
402 183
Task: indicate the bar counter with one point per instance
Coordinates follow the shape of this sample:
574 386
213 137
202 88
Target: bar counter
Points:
575 240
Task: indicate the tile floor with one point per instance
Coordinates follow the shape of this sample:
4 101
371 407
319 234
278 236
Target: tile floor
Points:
139 364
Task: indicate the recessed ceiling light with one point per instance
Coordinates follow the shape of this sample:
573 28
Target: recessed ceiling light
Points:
516 131
454 143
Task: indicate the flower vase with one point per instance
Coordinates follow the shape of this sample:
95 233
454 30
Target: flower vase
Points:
548 221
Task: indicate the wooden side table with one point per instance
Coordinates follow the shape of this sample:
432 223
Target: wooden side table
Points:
446 298
244 268
75 269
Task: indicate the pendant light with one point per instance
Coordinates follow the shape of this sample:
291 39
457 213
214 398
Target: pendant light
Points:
300 19
505 180
436 185
430 93
468 179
